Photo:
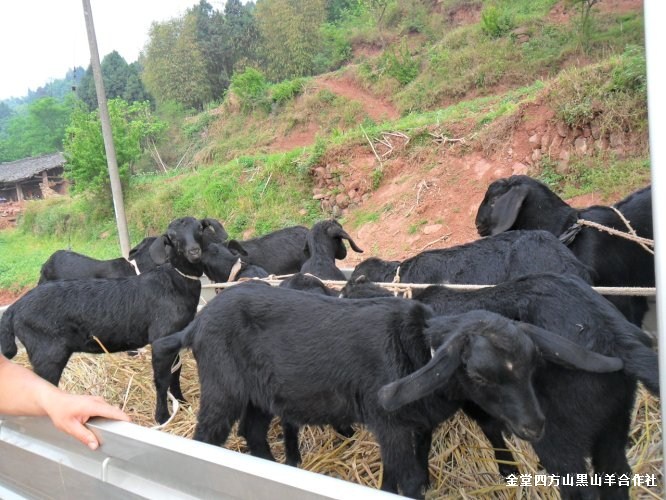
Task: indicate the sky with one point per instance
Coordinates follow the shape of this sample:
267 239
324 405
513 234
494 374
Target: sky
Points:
40 40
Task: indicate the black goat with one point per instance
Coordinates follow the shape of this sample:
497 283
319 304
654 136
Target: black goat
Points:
587 415
227 262
318 360
59 318
307 283
520 202
324 245
279 252
483 262
65 264
255 422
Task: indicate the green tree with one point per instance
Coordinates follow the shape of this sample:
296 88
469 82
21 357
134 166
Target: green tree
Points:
585 20
135 91
239 38
336 9
290 36
174 65
120 80
115 72
38 130
378 10
132 125
209 36
5 114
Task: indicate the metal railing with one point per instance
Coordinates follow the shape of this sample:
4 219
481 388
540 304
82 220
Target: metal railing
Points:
38 461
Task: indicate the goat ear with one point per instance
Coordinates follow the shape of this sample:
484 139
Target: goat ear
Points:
215 226
160 249
236 248
425 380
506 209
564 352
336 231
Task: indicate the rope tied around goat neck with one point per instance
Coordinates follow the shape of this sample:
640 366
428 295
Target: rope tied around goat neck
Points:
568 236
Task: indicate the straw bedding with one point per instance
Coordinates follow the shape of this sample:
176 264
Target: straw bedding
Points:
462 463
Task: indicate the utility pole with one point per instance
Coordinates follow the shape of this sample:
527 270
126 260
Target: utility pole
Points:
656 79
112 162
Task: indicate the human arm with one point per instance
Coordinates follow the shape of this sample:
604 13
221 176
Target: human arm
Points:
24 393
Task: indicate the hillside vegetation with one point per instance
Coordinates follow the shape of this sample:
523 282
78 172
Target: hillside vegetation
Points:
436 100
395 123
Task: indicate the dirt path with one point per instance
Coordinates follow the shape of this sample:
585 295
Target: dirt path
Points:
375 107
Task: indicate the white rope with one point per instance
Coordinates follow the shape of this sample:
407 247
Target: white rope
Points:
175 405
186 275
603 290
136 268
235 270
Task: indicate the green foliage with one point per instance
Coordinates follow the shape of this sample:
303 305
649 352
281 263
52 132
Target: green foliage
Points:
285 91
585 22
335 49
120 80
20 268
444 64
416 227
38 129
549 174
604 174
496 22
132 125
174 64
239 39
193 128
291 36
311 157
251 89
612 92
361 218
261 192
400 64
326 96
630 75
377 177
415 17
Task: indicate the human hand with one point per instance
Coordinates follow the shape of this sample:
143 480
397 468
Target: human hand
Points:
69 412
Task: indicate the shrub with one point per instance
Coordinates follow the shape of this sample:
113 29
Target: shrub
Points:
496 22
192 129
630 74
400 64
285 91
336 49
251 89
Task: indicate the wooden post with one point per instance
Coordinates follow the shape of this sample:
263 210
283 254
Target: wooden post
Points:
19 192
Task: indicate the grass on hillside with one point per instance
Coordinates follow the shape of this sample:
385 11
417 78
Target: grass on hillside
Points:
23 254
467 60
258 193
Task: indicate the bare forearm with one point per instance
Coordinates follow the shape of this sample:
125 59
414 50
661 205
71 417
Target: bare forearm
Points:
22 392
